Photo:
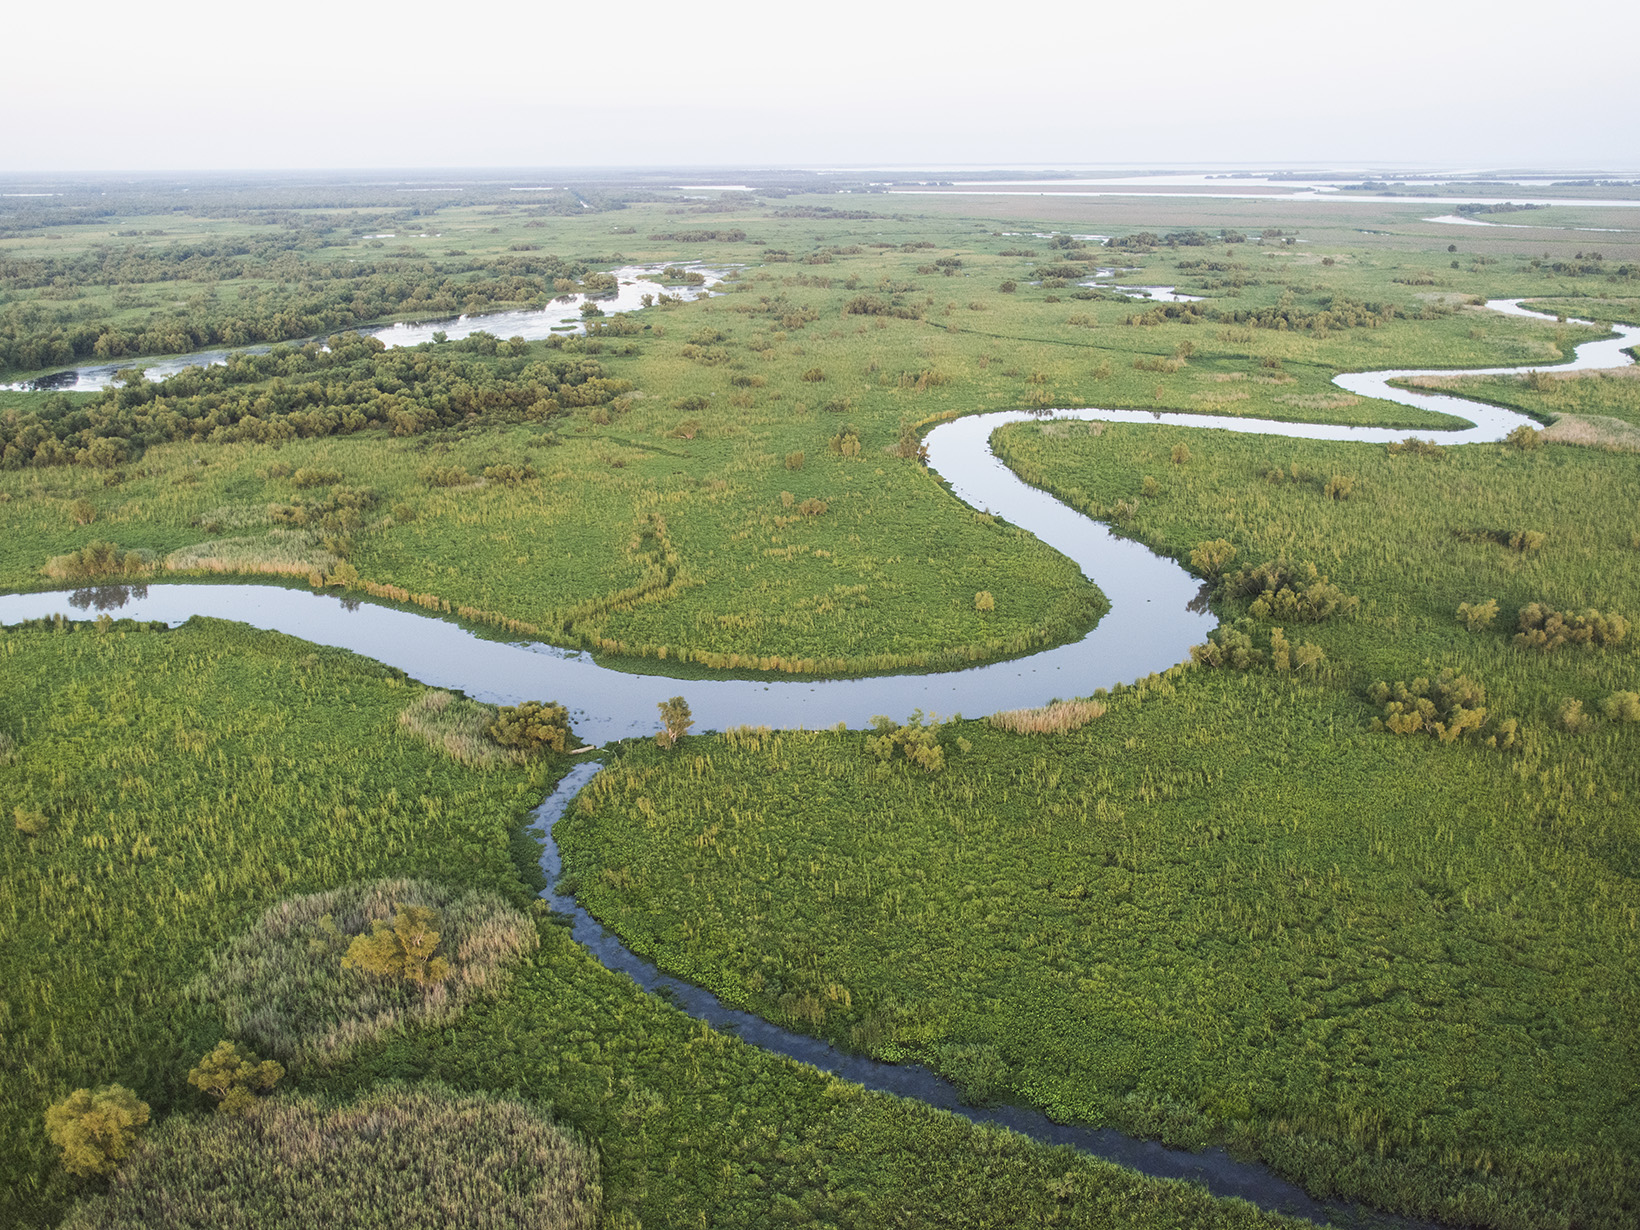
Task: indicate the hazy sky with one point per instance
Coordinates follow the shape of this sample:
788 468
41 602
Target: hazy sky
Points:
176 84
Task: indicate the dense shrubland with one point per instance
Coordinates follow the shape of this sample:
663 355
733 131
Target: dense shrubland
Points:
398 1156
276 295
285 394
1227 910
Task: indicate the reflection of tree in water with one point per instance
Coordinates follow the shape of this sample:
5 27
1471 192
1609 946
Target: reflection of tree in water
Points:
106 597
351 604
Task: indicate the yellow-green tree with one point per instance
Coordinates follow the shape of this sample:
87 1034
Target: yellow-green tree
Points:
95 1130
405 949
233 1076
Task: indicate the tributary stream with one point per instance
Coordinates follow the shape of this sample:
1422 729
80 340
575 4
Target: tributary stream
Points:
1155 616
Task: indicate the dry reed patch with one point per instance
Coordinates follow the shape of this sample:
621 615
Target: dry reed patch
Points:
399 1156
1052 719
292 552
1595 431
282 987
1320 401
459 728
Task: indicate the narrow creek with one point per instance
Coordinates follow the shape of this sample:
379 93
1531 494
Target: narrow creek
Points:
1155 616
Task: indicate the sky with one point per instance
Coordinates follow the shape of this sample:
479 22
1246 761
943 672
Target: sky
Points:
181 85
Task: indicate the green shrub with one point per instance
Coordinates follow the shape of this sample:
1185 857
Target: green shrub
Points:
1545 629
446 476
397 1157
314 477
1292 593
1478 616
977 1069
98 559
1525 438
1622 707
675 721
1339 487
534 726
404 950
510 475
233 1077
916 742
1210 558
1235 647
1448 709
95 1130
1571 718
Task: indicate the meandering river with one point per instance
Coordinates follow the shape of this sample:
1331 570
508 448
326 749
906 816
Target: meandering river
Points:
1155 616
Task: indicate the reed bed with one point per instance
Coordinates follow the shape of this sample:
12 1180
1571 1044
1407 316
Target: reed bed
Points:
422 1156
458 727
1051 719
282 985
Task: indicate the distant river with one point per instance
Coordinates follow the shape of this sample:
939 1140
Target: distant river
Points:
563 315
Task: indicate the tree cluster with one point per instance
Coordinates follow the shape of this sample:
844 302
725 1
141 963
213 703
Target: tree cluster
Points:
291 393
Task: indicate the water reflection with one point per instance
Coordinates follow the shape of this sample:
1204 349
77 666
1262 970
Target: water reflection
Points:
106 597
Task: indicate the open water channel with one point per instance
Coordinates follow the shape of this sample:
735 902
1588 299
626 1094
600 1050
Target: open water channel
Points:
1156 614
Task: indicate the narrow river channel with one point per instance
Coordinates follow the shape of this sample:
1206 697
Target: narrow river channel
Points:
1155 617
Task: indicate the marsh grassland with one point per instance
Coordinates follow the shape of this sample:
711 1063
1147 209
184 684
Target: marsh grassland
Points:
1351 892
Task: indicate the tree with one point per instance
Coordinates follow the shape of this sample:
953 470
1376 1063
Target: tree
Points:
675 721
1209 558
532 726
96 1130
233 1076
403 950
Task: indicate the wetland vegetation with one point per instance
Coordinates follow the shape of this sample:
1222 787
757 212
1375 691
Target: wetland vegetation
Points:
1249 901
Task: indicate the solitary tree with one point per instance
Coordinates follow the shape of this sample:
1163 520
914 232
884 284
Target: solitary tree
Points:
96 1130
675 721
233 1076
403 950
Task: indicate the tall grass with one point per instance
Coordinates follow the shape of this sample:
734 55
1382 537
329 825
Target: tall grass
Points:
1050 719
458 727
398 1156
283 987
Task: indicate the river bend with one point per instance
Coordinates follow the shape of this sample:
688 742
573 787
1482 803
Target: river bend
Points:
1155 617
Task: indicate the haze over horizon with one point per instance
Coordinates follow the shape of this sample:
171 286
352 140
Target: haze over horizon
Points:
180 85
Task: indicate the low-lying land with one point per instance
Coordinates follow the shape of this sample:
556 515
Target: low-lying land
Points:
217 772
1353 893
